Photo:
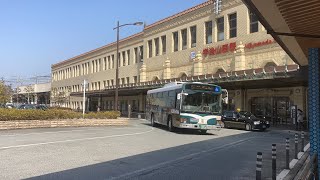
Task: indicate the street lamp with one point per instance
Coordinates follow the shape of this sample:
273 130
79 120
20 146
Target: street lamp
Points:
118 58
84 97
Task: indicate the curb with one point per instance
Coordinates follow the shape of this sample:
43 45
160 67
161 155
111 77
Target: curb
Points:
294 165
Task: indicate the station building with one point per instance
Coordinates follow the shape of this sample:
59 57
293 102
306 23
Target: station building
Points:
218 42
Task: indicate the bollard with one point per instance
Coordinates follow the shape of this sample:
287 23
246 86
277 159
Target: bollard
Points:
139 116
296 145
287 153
302 141
274 161
259 166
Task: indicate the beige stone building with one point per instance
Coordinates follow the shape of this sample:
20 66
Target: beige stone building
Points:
211 42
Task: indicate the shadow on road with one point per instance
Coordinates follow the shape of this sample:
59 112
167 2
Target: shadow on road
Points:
230 157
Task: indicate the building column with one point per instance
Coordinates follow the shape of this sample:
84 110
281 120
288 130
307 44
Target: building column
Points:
143 73
239 100
314 102
239 58
197 64
167 70
141 102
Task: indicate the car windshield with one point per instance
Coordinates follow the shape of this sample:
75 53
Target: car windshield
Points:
247 114
201 102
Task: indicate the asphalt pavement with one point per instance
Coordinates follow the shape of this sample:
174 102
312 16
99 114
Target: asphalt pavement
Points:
137 151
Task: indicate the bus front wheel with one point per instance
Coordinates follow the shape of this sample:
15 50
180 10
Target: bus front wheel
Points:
170 126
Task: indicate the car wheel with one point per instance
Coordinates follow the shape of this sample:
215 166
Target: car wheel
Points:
170 126
248 127
153 124
203 131
222 125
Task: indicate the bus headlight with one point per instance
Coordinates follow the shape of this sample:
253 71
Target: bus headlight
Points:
194 120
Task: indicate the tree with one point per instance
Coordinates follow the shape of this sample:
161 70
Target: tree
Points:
5 93
60 97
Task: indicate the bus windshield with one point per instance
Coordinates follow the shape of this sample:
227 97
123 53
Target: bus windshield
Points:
201 102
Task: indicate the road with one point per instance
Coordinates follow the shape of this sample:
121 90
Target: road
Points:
137 151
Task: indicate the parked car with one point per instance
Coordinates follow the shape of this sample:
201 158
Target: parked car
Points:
32 106
243 120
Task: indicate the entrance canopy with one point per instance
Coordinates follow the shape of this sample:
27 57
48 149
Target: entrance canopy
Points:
293 24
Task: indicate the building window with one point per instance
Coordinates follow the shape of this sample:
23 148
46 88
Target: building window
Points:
99 66
253 22
124 58
164 44
175 41
105 63
112 58
128 80
122 81
150 48
208 26
109 62
135 79
128 55
156 45
141 53
220 29
193 32
184 38
136 57
233 25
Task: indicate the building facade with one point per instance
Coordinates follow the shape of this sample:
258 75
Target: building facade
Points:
33 94
212 42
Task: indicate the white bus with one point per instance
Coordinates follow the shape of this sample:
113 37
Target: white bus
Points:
190 105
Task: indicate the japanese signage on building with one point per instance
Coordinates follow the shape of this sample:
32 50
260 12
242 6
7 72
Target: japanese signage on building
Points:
225 48
220 49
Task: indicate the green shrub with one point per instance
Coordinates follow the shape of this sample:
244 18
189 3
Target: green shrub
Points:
34 114
61 108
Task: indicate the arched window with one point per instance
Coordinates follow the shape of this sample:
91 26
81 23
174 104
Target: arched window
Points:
155 78
270 64
220 70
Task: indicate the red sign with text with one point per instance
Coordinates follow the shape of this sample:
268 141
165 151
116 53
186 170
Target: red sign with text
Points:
225 48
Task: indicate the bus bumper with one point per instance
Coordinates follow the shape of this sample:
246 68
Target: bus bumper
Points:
200 126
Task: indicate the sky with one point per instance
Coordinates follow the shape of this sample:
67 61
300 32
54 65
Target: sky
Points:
34 34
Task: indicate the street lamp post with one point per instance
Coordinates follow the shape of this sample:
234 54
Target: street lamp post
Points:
117 62
84 98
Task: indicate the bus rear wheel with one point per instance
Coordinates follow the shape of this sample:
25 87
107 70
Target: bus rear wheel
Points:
203 131
170 126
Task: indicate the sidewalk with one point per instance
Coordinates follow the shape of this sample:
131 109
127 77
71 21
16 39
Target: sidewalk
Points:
281 150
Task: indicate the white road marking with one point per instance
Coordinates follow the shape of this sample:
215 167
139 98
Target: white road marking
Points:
73 140
166 163
53 132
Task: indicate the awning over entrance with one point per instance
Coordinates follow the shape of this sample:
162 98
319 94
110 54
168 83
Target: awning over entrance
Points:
293 24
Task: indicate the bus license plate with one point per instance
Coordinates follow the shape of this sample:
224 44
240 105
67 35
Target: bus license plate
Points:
202 126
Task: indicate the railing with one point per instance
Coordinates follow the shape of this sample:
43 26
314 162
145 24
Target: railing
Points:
309 170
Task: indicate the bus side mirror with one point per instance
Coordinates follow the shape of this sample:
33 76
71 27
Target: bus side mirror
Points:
179 96
225 96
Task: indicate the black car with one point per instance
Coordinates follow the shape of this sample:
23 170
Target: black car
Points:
243 120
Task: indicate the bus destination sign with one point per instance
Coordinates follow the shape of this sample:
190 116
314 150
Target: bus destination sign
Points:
203 87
